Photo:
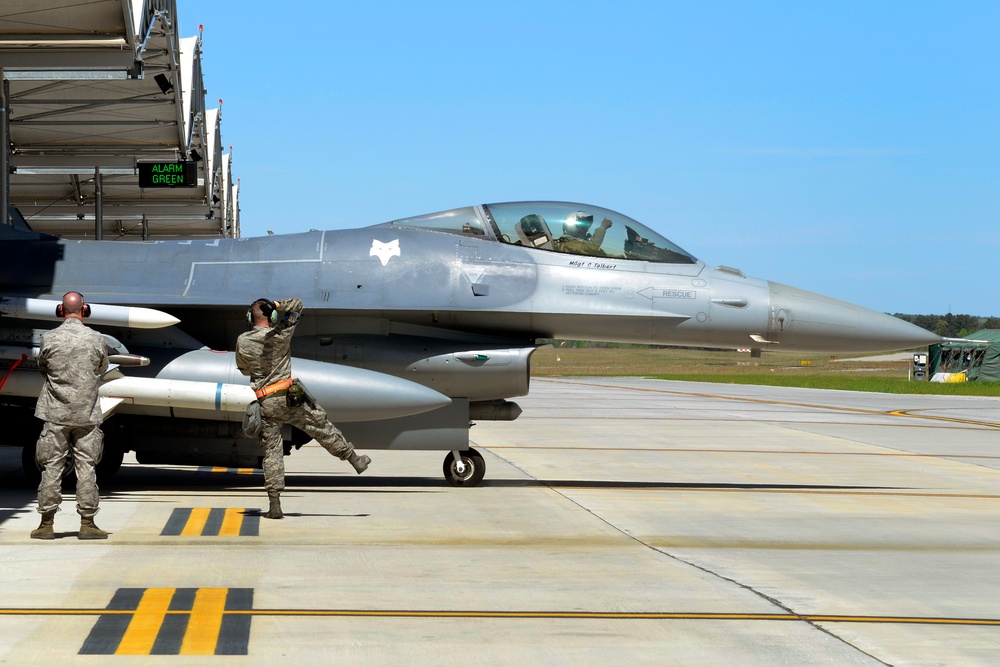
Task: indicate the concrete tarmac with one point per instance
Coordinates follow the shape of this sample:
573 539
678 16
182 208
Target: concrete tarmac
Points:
622 521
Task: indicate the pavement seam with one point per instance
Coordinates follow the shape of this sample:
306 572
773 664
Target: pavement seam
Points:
774 601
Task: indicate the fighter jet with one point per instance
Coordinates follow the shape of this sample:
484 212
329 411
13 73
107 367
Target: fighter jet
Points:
414 329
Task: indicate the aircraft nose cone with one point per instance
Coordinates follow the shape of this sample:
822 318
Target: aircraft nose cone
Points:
803 320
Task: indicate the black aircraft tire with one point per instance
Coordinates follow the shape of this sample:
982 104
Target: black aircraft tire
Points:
31 472
111 461
475 469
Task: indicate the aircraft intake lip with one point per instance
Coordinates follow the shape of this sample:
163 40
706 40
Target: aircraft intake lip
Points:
803 320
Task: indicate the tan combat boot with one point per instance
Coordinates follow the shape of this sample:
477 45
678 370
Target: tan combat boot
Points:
274 508
360 463
89 531
45 530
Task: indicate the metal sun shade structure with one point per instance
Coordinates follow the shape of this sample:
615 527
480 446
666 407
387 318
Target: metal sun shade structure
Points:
91 91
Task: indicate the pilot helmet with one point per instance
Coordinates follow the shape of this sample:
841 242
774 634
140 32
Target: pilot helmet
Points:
533 224
578 224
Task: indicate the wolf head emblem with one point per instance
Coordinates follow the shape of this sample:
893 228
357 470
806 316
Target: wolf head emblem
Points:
384 250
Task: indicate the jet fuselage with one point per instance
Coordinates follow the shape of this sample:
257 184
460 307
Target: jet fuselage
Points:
425 324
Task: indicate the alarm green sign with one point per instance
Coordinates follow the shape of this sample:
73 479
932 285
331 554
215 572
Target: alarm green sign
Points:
183 174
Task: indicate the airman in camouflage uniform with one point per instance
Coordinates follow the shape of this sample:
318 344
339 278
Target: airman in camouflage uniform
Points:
264 354
577 239
72 358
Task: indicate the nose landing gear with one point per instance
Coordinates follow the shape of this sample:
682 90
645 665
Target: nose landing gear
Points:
465 468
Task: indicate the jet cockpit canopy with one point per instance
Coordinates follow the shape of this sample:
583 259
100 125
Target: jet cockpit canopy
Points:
575 229
580 229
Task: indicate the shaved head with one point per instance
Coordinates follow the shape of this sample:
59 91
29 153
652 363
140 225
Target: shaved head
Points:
72 304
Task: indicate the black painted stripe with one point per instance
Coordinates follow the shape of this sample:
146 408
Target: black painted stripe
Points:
214 522
171 635
250 527
234 635
127 598
239 599
107 633
178 519
183 599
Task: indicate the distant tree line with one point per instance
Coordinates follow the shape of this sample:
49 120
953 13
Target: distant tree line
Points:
952 326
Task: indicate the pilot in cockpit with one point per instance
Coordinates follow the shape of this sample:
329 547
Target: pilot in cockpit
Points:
577 239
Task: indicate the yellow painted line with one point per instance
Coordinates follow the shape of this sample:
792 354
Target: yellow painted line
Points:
206 622
416 613
148 617
231 522
901 619
244 471
708 616
954 420
219 469
821 492
72 612
400 613
196 522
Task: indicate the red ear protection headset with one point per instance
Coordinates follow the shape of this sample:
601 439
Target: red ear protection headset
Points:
86 306
267 309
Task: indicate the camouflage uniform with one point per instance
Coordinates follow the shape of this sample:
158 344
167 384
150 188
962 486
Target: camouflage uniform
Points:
264 354
72 359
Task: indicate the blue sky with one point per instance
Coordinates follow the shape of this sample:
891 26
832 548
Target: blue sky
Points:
849 148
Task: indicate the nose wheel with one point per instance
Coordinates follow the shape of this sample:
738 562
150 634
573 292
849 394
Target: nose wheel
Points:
465 468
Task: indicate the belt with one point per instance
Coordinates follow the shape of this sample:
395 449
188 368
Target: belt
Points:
271 389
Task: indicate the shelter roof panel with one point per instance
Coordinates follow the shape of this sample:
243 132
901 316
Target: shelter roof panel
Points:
48 20
136 95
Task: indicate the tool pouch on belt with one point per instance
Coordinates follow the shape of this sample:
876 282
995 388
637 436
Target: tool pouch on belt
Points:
252 423
296 395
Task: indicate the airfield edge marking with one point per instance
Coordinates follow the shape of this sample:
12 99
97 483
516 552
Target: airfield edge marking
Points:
169 621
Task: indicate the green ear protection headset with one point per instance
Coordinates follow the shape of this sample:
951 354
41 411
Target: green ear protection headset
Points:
267 309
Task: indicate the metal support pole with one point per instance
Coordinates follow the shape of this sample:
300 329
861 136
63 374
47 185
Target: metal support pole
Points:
98 204
5 148
145 227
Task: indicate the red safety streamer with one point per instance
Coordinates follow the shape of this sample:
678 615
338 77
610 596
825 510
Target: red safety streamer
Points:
10 370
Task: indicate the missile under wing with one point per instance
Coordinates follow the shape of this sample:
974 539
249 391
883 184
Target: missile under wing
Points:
413 328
